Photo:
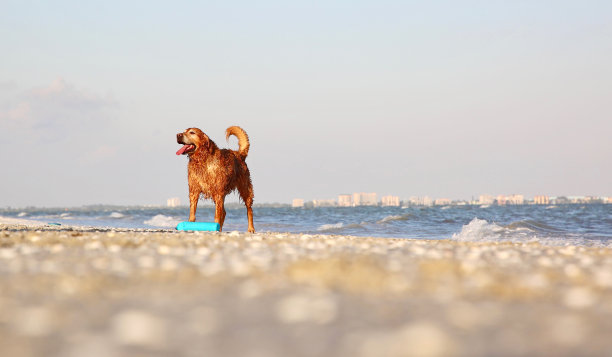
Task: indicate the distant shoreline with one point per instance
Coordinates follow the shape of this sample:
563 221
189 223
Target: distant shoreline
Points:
236 205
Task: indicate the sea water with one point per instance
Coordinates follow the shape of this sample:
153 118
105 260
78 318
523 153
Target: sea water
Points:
589 225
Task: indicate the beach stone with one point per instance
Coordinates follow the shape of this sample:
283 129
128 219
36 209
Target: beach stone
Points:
27 250
249 289
239 267
163 250
579 298
146 261
169 264
34 321
572 271
586 261
299 308
203 251
139 328
90 346
568 330
7 253
416 339
465 316
93 245
603 277
48 267
204 320
56 248
537 281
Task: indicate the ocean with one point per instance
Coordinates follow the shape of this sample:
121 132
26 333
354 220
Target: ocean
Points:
586 225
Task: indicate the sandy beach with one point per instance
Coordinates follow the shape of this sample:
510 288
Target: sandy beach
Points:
68 291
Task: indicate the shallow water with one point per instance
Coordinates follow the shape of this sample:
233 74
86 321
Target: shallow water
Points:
589 225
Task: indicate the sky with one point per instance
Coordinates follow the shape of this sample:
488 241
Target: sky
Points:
446 99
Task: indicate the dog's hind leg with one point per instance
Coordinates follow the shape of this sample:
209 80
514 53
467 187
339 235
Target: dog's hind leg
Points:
220 212
246 193
250 217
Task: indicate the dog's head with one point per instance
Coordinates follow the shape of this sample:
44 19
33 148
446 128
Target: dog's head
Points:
193 140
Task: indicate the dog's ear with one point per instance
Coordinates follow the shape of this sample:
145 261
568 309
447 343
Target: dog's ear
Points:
206 143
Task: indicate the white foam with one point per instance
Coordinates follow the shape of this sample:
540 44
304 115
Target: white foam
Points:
162 221
479 230
116 215
327 227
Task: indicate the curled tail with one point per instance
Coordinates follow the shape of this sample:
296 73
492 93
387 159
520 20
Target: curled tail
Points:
243 139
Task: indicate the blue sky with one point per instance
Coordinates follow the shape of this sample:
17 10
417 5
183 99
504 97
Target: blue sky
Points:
439 98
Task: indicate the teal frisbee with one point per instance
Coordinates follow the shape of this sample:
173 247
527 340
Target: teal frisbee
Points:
198 226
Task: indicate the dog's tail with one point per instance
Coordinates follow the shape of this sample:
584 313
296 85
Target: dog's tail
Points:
243 139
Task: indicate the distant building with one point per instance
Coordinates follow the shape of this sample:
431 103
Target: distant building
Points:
297 203
323 203
390 201
503 200
585 199
486 200
365 199
420 201
593 200
442 202
345 200
561 200
541 200
515 199
173 202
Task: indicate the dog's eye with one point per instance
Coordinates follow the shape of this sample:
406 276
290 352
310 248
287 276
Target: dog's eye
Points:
191 132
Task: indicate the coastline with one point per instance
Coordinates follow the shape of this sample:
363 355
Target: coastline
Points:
84 291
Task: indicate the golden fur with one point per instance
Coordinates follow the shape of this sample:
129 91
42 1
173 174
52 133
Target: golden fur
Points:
214 173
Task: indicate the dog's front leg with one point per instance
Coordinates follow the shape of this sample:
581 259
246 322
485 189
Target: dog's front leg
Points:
193 204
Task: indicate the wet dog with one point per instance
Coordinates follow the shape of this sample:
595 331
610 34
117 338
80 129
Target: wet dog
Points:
214 173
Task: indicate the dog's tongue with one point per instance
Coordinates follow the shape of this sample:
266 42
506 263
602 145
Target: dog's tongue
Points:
182 150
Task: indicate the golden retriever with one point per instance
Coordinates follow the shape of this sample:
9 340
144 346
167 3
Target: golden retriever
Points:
214 173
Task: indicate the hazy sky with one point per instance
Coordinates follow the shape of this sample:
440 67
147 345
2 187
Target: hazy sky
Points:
440 98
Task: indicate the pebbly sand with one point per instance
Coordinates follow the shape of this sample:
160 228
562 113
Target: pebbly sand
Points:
69 291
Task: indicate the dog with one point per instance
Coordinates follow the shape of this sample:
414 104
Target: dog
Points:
214 173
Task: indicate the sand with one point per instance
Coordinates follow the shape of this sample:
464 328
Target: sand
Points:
69 291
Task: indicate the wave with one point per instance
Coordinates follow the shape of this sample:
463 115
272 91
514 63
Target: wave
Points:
162 221
338 227
403 217
533 226
528 231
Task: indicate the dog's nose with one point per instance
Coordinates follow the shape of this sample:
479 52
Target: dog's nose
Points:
179 138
